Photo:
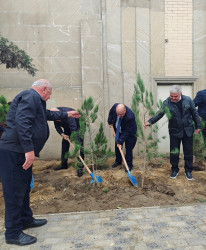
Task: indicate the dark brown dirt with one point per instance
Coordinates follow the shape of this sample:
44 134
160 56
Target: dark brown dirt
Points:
62 191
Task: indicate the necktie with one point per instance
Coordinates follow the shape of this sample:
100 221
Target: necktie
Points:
118 129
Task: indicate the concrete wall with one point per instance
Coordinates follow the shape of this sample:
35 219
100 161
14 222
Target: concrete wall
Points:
97 47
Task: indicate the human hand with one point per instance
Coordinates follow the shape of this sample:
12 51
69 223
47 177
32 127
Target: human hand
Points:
73 114
30 157
197 131
119 146
146 124
65 136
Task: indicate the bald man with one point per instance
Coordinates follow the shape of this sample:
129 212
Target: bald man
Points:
123 120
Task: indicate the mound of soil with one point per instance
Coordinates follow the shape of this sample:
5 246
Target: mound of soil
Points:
62 191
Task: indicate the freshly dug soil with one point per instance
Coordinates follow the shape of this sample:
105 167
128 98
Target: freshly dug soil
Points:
62 191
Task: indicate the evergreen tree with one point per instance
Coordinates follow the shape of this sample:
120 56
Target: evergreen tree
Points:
14 57
142 106
4 108
95 150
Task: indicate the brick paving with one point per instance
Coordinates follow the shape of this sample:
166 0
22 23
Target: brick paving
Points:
182 227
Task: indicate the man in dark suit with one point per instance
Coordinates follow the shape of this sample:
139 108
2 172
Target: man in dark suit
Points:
65 127
200 102
181 128
122 119
24 137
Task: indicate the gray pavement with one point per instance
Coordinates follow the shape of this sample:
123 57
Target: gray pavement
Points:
182 227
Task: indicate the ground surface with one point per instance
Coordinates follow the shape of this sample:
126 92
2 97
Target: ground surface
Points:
62 191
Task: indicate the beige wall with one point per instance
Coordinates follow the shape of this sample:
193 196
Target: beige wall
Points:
97 47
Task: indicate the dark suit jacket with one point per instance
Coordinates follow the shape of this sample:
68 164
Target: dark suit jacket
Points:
27 127
180 123
200 101
128 124
67 125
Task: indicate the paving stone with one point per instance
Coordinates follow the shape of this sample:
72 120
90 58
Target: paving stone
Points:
166 228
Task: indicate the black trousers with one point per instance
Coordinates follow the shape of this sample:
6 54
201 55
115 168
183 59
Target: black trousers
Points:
65 149
187 143
129 145
16 189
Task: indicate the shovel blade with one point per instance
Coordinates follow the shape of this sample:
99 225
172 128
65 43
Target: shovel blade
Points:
132 179
98 179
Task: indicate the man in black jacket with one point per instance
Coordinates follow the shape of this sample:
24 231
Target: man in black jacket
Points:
181 128
200 102
24 137
122 119
65 127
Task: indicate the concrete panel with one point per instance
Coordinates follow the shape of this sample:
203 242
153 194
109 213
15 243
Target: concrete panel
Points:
112 5
69 49
91 44
129 57
58 80
136 3
43 64
128 24
63 6
66 79
66 93
130 80
9 18
91 60
113 27
114 58
26 5
128 39
199 5
64 64
15 80
35 18
143 41
42 49
92 8
57 34
91 28
94 90
17 33
91 75
157 5
157 41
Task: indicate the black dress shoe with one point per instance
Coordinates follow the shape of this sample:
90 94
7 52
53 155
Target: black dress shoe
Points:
60 167
79 172
22 240
116 164
35 223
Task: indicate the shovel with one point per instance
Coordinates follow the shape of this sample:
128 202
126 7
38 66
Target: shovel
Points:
97 178
131 177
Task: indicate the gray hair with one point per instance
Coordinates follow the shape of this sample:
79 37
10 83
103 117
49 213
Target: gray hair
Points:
176 89
41 83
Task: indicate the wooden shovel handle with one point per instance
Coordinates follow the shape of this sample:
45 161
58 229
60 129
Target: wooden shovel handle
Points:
113 131
120 150
125 163
83 162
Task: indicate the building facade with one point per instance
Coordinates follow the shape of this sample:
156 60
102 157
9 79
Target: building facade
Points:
97 47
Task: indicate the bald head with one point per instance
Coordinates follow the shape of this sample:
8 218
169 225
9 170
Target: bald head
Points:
121 110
